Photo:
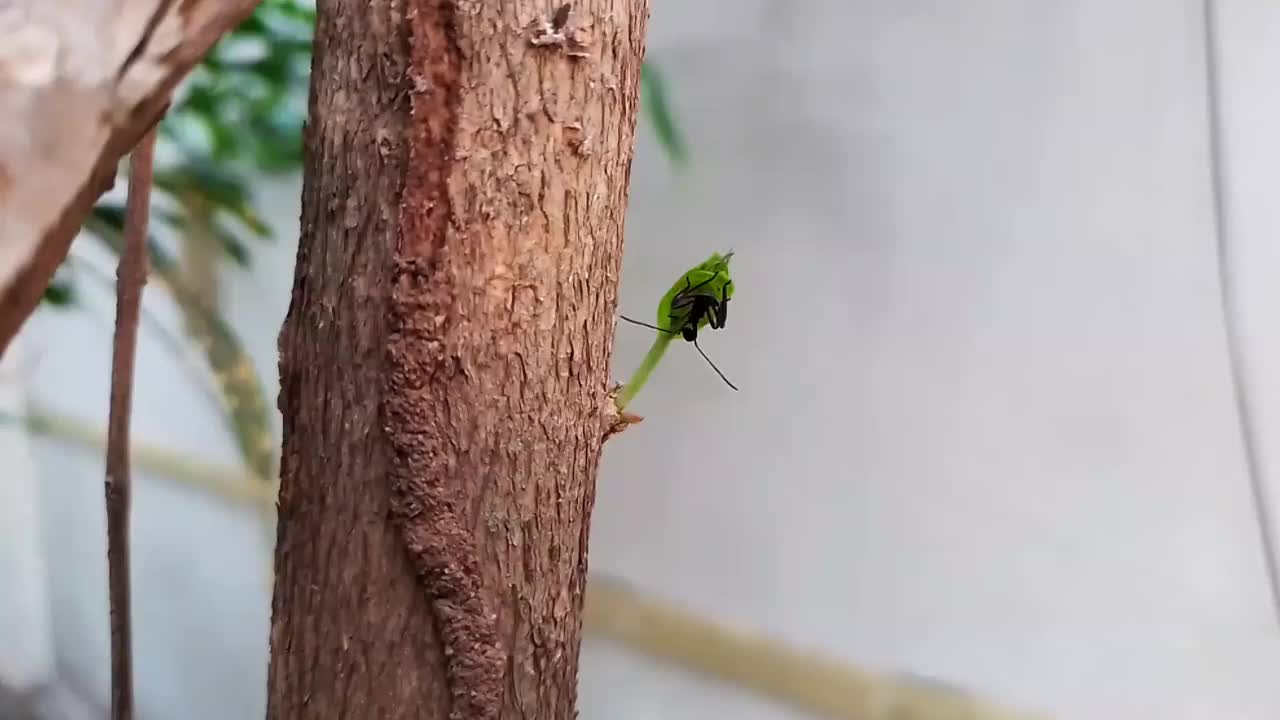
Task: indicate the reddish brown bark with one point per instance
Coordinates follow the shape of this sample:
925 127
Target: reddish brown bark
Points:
444 364
131 277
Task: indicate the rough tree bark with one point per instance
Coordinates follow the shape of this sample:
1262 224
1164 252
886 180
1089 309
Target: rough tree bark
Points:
445 360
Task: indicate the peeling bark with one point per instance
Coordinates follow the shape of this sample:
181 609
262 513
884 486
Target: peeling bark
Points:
445 360
81 81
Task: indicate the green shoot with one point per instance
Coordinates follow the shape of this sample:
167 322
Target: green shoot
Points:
700 297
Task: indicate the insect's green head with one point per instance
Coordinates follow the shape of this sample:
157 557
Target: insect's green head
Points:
719 265
712 277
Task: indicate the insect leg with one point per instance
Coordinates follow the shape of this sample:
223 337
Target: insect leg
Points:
716 314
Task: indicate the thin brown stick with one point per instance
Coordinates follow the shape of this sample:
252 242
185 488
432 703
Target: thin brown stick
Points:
130 278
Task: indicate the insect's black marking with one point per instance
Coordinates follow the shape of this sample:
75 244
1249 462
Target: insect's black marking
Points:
687 292
714 309
702 305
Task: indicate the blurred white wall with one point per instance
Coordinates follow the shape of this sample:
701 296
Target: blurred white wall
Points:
986 432
26 652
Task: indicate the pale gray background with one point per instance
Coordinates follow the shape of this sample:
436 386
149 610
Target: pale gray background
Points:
987 429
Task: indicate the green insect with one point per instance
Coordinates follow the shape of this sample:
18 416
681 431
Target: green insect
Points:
698 299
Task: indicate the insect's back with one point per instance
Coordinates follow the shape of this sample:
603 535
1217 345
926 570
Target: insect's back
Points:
685 307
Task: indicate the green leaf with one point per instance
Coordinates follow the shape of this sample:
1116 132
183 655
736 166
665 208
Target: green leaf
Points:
230 242
60 293
241 111
250 79
654 101
215 185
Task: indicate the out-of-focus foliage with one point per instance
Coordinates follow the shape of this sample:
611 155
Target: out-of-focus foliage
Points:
246 103
655 103
240 390
239 114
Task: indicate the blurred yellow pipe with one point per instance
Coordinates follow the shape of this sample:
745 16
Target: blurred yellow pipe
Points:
616 613
809 681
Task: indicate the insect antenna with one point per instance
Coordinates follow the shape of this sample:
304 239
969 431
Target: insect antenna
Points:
713 365
651 327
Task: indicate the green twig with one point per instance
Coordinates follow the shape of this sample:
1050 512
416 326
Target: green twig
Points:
642 373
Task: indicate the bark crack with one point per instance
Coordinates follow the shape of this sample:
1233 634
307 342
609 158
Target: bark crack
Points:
429 505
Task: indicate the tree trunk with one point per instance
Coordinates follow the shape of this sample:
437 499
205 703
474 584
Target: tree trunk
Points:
445 360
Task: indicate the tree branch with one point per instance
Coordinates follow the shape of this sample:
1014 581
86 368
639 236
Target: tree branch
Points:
130 279
80 84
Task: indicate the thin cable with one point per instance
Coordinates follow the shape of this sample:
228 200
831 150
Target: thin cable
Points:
1239 378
